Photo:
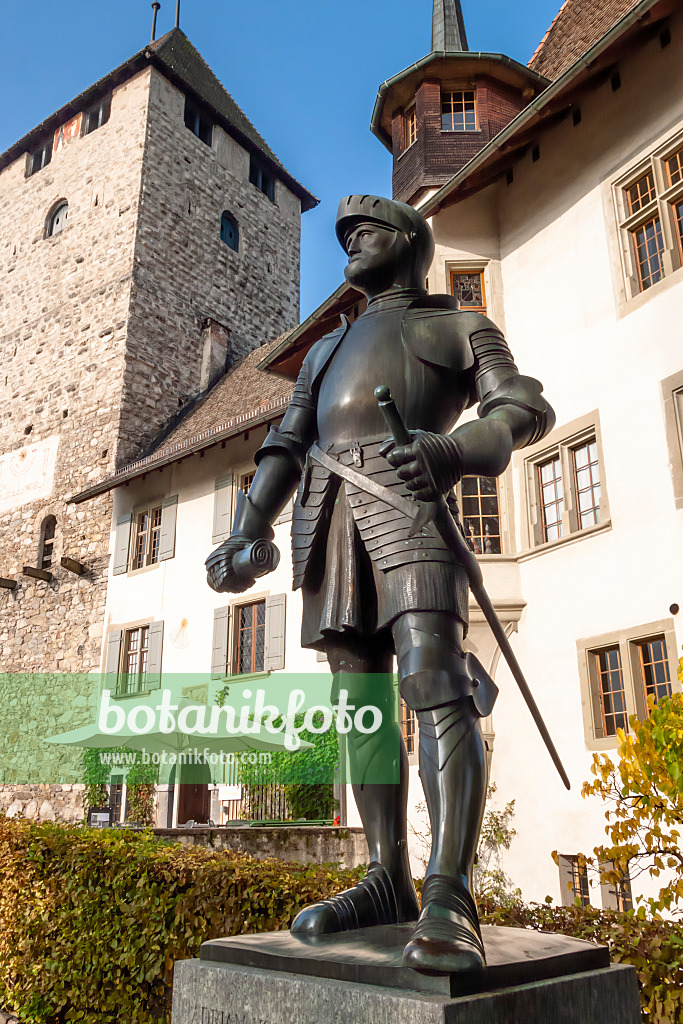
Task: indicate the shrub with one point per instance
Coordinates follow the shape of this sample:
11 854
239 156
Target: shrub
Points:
91 921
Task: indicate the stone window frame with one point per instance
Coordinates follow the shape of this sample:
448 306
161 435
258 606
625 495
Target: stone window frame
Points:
572 875
47 542
661 206
224 644
229 218
560 441
262 177
202 122
114 654
672 399
627 640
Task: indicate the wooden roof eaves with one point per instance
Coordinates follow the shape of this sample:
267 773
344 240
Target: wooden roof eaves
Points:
551 105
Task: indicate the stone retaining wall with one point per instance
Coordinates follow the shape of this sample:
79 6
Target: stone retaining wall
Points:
43 803
303 844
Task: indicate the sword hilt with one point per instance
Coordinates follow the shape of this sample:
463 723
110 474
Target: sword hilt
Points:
392 416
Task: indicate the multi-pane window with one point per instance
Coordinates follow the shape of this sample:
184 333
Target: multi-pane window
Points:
552 497
619 672
610 676
246 481
147 537
39 158
458 111
587 483
650 205
250 637
96 116
198 121
408 727
468 288
567 488
654 668
135 660
580 882
261 177
481 514
616 895
410 127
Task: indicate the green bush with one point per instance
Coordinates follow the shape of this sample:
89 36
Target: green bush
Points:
653 947
91 921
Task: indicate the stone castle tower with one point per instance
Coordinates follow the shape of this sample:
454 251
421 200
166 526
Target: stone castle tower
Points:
150 237
441 111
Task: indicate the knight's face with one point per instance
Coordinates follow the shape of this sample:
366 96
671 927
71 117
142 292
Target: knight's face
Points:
377 253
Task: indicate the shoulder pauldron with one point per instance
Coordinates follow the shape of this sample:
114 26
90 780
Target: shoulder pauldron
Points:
434 334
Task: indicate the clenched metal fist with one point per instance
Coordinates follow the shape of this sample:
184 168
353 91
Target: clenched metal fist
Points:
220 572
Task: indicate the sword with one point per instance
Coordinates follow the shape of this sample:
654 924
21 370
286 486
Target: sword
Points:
438 513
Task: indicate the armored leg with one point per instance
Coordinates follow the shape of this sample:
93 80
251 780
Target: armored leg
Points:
386 894
438 682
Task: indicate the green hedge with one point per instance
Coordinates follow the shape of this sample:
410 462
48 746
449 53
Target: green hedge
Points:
654 948
91 921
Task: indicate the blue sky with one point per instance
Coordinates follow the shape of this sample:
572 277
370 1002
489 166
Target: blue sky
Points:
305 73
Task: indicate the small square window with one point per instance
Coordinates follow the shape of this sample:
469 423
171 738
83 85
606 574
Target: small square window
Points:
641 193
468 288
96 116
648 246
458 111
39 158
409 127
481 514
654 668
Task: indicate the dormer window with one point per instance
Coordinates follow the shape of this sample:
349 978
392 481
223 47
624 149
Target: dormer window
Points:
458 111
262 178
198 121
97 116
39 158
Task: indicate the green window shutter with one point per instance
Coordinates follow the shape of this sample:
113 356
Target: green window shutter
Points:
168 521
222 509
156 638
113 660
122 543
274 656
219 650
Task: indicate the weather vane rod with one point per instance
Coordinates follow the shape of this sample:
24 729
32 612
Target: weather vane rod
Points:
177 13
155 7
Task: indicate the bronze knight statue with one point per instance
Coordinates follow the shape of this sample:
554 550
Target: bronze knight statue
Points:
374 583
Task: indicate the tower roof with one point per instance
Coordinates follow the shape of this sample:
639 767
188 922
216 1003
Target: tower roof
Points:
448 26
178 60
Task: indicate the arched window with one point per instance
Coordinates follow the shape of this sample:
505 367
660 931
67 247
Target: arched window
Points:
230 233
57 219
47 542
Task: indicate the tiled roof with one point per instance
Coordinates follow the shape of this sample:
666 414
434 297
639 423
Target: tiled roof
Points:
244 397
578 25
244 389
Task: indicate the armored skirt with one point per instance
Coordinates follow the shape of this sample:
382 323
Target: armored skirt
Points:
356 565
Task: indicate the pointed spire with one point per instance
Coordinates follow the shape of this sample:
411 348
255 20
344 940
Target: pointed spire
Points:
448 26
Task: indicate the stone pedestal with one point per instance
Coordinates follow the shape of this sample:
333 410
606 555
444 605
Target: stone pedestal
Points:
357 978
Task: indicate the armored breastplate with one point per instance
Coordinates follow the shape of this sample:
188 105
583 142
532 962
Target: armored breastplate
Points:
372 353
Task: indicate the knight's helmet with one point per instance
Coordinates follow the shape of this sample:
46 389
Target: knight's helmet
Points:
356 209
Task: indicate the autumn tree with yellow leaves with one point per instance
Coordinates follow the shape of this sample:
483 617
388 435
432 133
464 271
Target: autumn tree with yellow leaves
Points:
644 790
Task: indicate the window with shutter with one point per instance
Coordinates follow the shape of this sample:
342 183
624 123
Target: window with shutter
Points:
122 543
